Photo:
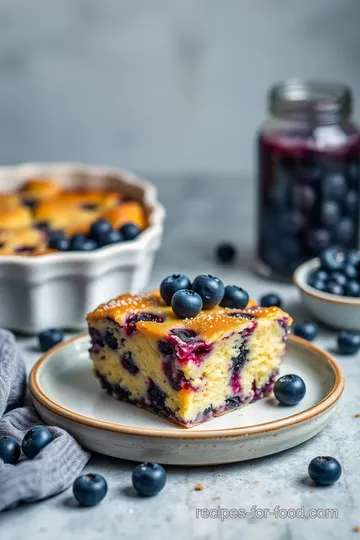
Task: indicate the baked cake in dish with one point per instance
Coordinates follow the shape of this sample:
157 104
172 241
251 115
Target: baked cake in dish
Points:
42 208
186 370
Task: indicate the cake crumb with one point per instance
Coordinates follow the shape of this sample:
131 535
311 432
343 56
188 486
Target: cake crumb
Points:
257 481
357 415
357 529
217 498
199 486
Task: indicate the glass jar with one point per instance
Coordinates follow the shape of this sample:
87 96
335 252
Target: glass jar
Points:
308 175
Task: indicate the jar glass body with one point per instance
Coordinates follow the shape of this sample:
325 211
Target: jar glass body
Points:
308 189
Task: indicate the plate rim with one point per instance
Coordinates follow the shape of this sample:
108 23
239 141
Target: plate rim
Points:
319 408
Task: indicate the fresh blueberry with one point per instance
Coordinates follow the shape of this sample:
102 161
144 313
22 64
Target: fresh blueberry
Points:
210 288
352 288
348 342
9 451
335 288
225 253
338 277
318 239
307 330
332 259
324 470
186 303
350 271
344 231
100 228
329 213
352 257
171 284
148 479
319 285
351 202
89 489
335 186
289 389
59 241
35 440
111 237
77 242
49 338
129 231
235 297
321 274
270 299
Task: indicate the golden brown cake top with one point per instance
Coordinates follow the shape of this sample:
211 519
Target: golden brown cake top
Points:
208 324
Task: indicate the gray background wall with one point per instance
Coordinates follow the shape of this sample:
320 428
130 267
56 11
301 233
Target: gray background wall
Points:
160 86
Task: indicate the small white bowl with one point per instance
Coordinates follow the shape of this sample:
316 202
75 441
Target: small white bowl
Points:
339 312
59 289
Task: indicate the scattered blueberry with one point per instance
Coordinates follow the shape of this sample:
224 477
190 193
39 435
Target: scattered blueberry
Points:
307 330
352 257
80 242
129 231
235 297
100 228
348 342
324 470
270 299
59 241
225 253
148 479
352 288
210 288
35 440
186 303
49 338
111 237
335 288
9 451
289 389
350 271
337 277
331 259
171 284
90 489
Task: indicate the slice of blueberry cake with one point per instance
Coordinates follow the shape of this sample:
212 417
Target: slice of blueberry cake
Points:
187 370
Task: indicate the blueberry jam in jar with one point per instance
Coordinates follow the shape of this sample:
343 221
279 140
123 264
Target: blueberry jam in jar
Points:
309 176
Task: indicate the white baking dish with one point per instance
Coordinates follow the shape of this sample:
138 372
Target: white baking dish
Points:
59 289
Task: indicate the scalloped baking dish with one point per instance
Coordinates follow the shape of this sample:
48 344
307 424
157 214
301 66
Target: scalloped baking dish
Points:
59 289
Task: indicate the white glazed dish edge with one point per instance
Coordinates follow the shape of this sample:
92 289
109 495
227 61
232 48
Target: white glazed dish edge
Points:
340 312
59 289
65 393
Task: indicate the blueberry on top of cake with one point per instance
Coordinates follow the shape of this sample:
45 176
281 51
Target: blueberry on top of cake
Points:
187 370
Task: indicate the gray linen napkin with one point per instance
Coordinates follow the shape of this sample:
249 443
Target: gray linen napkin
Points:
55 468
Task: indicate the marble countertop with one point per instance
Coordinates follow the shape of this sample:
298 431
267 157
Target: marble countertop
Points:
200 214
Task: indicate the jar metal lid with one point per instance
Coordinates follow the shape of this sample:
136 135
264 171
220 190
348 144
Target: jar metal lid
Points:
310 98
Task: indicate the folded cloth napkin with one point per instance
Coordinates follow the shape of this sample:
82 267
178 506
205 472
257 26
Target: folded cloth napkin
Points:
55 468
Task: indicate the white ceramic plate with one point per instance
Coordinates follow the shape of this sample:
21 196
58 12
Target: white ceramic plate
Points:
65 393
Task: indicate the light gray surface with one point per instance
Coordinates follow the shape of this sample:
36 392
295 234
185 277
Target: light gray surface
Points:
159 85
200 214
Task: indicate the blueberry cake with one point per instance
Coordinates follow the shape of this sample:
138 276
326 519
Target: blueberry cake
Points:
43 217
186 370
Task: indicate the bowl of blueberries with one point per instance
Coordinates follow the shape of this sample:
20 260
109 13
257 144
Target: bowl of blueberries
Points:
330 287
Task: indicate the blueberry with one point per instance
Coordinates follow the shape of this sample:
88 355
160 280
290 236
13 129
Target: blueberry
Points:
289 389
49 338
335 187
345 231
270 299
304 197
210 288
186 303
351 202
149 478
348 342
235 297
111 237
321 274
318 239
9 451
350 271
100 228
89 489
352 257
335 288
59 241
35 440
171 284
352 288
307 330
292 222
332 259
129 231
77 242
319 285
338 277
225 253
329 213
324 470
